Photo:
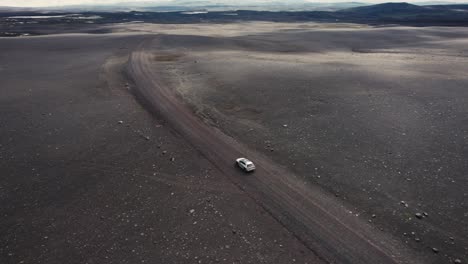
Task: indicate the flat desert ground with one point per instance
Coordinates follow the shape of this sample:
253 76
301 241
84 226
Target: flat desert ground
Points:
120 147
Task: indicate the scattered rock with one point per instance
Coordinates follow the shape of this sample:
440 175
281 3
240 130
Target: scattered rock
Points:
425 214
404 203
164 152
435 250
418 215
192 211
458 261
374 216
145 137
417 239
120 122
285 125
172 159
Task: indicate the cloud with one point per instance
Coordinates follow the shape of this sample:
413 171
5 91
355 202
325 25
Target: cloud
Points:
39 3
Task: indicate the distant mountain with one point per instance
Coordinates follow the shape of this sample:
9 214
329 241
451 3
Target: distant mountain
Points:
388 9
454 7
434 3
404 13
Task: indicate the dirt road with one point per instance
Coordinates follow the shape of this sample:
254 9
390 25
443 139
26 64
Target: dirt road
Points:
78 186
324 225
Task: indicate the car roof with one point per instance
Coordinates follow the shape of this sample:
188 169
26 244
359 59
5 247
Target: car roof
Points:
244 160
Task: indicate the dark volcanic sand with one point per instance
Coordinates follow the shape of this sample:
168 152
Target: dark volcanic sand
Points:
377 117
373 116
78 187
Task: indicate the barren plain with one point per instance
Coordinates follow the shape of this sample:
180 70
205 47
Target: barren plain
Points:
368 124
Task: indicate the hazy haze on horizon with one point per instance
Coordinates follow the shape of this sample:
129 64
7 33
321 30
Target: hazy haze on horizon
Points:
43 3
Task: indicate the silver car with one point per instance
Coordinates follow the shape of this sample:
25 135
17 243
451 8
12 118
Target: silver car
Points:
245 164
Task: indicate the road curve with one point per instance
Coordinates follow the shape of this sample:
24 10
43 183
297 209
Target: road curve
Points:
313 216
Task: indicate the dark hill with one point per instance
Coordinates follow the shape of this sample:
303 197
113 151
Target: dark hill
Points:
458 7
388 9
404 13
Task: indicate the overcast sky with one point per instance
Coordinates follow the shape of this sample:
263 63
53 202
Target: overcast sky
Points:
35 3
